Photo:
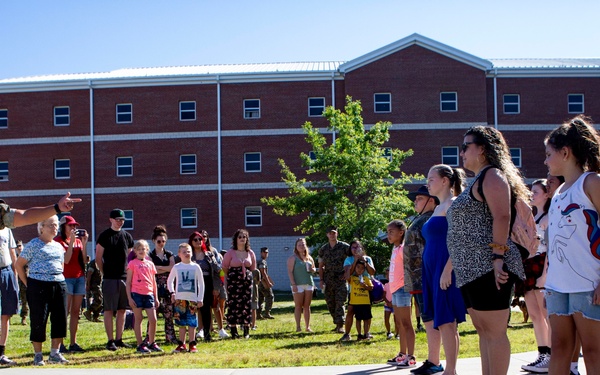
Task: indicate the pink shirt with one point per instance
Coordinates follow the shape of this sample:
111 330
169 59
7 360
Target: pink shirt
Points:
142 280
397 268
230 259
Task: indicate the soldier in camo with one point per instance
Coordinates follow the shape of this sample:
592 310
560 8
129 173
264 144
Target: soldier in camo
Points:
93 288
331 273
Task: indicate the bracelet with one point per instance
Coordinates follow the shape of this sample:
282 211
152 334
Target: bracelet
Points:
497 256
495 246
57 209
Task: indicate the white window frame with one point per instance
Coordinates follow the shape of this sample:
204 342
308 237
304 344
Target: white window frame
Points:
518 158
62 116
182 111
119 167
382 102
517 104
188 214
3 118
129 223
251 113
455 101
182 164
581 103
248 214
3 171
312 107
63 168
449 152
252 162
122 111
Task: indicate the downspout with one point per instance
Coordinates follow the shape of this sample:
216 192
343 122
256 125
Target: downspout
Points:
92 167
333 97
495 99
219 181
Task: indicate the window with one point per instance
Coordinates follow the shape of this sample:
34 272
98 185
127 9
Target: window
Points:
125 166
187 111
312 155
3 118
128 225
189 218
254 216
124 113
316 106
61 116
448 102
252 162
187 164
450 156
62 169
515 155
575 103
3 171
387 153
383 103
512 104
251 108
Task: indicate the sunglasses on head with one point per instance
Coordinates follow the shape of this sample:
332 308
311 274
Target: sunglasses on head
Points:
465 146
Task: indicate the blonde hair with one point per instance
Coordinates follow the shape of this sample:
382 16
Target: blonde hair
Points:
308 257
184 245
140 243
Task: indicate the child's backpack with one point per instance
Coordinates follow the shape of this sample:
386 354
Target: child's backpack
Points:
523 231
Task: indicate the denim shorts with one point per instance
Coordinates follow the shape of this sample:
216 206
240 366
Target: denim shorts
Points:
9 291
401 298
76 286
143 301
559 303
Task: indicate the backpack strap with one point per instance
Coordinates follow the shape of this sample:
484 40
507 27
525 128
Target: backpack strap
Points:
480 178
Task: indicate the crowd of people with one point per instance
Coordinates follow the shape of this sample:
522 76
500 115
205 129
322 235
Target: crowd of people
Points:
459 256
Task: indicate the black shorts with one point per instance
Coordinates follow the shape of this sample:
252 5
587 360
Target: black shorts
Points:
481 294
115 295
362 312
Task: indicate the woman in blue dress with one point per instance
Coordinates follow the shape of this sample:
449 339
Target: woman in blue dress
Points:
442 300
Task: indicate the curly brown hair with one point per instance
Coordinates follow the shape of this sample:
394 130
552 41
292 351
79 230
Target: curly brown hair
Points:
497 154
235 236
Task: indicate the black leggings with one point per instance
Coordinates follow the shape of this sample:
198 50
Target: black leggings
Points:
47 299
207 301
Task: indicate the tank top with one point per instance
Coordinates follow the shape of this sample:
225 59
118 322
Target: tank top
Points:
301 277
470 225
574 240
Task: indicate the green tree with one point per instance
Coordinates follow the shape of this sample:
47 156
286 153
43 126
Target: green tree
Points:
356 182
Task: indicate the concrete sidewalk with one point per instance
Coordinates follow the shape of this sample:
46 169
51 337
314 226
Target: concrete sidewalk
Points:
466 366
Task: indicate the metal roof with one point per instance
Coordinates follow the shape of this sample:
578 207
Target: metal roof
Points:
541 63
195 70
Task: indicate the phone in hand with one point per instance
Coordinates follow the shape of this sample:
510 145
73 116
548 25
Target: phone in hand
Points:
80 232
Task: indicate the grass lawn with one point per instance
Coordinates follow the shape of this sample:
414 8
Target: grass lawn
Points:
276 341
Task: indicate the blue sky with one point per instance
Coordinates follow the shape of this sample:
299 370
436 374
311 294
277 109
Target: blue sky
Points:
39 37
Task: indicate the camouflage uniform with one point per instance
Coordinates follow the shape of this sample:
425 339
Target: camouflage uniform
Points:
414 245
95 292
336 292
265 294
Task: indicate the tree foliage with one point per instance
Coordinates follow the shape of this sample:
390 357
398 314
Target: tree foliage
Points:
355 181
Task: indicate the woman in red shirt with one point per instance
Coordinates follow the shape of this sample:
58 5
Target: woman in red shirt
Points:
74 242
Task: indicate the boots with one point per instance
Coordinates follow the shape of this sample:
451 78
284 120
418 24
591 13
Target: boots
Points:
246 332
234 333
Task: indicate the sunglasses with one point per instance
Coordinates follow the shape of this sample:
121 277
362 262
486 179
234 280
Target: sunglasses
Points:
197 239
465 146
160 241
242 237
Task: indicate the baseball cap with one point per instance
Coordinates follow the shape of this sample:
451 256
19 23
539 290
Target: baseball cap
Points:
68 220
117 214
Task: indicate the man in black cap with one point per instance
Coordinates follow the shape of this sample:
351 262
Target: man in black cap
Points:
331 273
113 247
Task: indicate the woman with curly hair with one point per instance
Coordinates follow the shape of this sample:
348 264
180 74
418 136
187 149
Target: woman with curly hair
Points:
486 262
238 264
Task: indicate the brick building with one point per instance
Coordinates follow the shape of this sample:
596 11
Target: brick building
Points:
197 147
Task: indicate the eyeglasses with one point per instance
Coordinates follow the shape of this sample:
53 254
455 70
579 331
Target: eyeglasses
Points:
161 241
197 239
465 146
53 225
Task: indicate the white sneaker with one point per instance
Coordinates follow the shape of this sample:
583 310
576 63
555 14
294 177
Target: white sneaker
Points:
200 335
539 366
223 334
